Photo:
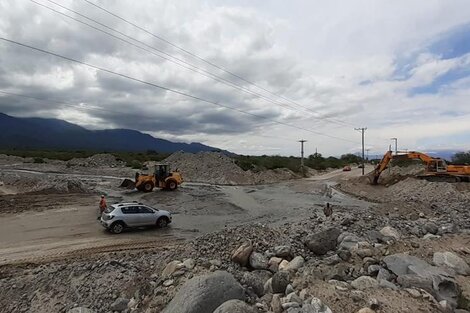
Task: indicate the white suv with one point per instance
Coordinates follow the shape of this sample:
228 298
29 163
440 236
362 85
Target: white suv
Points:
119 216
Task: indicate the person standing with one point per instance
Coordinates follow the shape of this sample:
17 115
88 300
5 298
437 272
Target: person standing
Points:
102 206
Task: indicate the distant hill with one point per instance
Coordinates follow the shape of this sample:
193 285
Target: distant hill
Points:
42 133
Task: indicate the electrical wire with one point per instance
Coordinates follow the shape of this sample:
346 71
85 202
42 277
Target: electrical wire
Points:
168 89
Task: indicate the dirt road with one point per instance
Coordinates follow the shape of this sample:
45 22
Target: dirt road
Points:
35 236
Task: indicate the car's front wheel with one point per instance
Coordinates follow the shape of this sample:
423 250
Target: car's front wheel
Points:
162 222
117 228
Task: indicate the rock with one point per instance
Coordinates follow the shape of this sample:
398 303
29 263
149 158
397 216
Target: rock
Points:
448 228
357 295
254 282
451 260
322 242
362 253
283 265
289 305
276 306
274 260
430 228
293 297
364 282
366 310
189 263
431 236
258 260
374 304
268 286
386 284
280 281
344 254
242 253
446 306
132 303
168 283
399 263
383 274
81 309
205 293
389 231
332 260
234 306
120 304
373 269
413 292
171 267
348 241
289 289
282 251
295 264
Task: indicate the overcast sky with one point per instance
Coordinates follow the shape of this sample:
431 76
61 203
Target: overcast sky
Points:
399 68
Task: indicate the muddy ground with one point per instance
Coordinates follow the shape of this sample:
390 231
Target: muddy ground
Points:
55 256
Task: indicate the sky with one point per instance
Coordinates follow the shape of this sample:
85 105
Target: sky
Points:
252 77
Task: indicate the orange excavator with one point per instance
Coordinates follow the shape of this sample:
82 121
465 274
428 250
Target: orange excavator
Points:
436 168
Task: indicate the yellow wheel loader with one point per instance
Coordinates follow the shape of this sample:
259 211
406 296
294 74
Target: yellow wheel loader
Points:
161 178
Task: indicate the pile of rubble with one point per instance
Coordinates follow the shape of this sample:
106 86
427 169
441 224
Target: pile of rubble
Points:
97 160
217 168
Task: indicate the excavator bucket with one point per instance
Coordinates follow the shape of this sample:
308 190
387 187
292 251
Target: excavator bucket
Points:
127 183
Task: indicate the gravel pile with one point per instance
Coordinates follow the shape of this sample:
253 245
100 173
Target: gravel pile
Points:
217 168
96 161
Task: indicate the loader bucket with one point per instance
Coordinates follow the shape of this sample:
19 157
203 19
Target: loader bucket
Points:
127 183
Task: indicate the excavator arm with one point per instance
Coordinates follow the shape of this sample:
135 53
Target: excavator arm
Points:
388 156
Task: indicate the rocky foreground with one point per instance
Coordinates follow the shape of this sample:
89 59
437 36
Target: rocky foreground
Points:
349 262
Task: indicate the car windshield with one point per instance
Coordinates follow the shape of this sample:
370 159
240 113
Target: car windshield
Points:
109 209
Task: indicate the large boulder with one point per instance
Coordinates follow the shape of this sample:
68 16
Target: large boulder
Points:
258 261
205 293
234 306
322 242
453 261
242 253
414 272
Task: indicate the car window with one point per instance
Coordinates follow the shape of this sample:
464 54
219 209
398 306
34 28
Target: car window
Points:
130 210
144 209
109 209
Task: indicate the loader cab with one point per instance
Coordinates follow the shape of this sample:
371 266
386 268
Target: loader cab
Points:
162 171
436 166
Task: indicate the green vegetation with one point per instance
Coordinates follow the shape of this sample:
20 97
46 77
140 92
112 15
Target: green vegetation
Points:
315 161
461 158
132 159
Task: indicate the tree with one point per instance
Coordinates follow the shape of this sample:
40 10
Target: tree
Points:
461 158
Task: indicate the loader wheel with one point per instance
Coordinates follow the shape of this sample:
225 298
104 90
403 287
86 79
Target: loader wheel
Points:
162 222
172 185
147 186
117 228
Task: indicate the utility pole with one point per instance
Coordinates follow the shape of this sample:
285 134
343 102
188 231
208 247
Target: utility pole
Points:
362 129
396 145
302 156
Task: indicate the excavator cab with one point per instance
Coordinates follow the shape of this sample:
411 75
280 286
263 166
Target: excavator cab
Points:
436 166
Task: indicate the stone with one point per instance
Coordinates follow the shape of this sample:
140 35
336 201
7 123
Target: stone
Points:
430 228
322 242
431 237
216 263
205 293
413 292
120 304
289 305
366 310
81 309
268 286
282 266
386 284
280 280
293 297
289 289
344 254
282 251
399 263
451 260
447 228
364 282
374 304
295 264
132 303
276 306
171 267
189 264
332 260
254 282
357 295
389 231
383 274
258 260
373 269
242 253
348 241
362 253
168 283
274 260
234 306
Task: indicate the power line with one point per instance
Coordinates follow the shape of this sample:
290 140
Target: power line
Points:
171 58
210 63
168 89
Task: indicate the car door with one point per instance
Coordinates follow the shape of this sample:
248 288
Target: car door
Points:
131 215
147 216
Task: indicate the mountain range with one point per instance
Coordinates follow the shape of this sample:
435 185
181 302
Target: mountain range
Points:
45 133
